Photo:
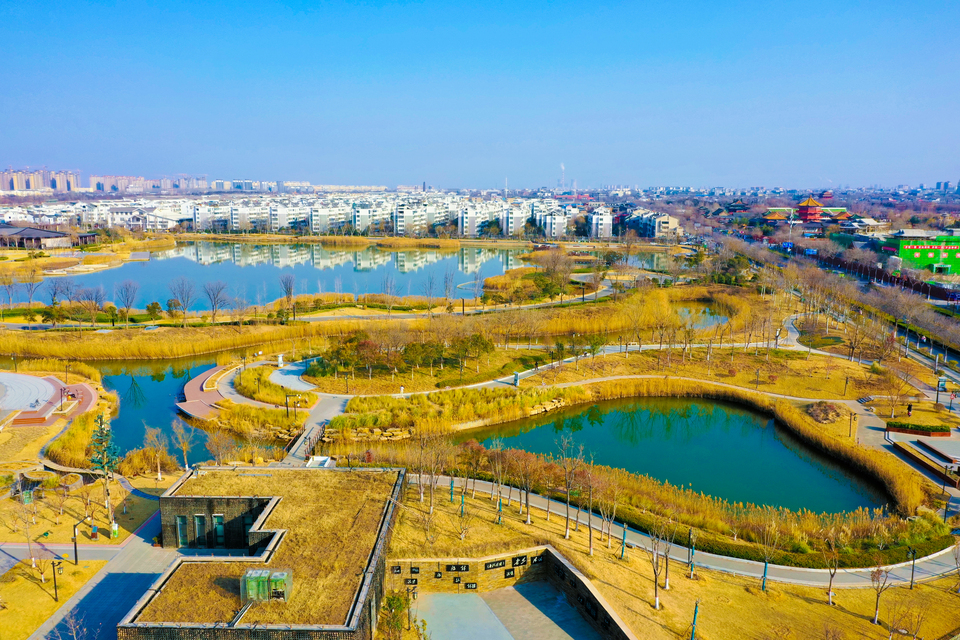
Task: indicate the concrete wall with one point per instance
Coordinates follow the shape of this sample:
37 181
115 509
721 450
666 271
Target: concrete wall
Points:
467 575
474 575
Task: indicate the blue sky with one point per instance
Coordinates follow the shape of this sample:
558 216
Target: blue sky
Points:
799 94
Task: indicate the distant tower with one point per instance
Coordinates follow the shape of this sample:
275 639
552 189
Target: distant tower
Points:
563 177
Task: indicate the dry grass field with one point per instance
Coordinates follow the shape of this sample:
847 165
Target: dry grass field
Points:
326 554
51 527
786 372
29 602
731 607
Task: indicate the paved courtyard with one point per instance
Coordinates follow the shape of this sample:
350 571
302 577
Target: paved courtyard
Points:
19 392
532 611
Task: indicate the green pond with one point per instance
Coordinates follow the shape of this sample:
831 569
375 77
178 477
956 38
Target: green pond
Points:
716 448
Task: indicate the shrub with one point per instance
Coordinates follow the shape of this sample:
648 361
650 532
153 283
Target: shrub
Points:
932 428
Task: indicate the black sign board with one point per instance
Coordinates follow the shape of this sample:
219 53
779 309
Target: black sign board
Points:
456 579
519 561
410 581
471 585
496 564
395 568
437 574
457 568
414 570
508 573
536 559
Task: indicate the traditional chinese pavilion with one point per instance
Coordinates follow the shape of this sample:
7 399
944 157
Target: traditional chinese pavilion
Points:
810 210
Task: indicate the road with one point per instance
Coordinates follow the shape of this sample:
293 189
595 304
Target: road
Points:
927 568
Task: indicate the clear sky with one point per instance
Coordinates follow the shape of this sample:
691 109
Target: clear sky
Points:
797 94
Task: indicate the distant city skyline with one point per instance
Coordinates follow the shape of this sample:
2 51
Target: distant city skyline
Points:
807 95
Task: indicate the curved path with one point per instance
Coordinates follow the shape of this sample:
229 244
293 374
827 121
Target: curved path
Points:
927 568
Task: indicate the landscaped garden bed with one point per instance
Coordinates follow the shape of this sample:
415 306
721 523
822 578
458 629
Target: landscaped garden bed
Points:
928 430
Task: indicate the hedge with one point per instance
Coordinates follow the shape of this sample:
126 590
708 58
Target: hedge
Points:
932 428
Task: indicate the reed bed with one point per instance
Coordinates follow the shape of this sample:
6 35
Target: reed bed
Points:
255 383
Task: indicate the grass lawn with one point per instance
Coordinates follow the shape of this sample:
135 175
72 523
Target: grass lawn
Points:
786 372
923 413
28 602
731 607
24 443
500 363
137 512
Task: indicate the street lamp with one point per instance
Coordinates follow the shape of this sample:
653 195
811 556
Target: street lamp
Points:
286 401
57 568
75 534
913 554
853 420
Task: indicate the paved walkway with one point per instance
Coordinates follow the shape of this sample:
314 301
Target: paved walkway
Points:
531 611
113 591
198 402
927 568
289 376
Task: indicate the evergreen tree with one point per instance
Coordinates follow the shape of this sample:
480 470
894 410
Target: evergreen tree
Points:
105 457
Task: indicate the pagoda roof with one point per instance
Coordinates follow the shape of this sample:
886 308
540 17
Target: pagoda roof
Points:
810 202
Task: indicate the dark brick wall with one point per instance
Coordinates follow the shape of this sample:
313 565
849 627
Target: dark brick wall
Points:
568 581
231 508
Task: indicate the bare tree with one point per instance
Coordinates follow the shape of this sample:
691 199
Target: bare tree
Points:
896 382
184 292
569 458
216 295
59 499
74 627
655 553
31 281
449 284
388 287
528 469
9 285
428 287
155 441
126 295
880 580
769 537
832 556
288 284
182 439
92 299
220 445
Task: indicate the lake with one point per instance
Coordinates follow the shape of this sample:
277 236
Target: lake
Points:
253 272
716 448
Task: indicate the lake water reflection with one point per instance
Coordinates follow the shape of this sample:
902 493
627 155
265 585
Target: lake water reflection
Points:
717 448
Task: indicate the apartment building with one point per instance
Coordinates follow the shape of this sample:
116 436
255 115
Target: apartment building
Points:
600 221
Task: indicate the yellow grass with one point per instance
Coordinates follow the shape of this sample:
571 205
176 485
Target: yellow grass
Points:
165 342
326 553
24 443
788 373
255 383
29 602
138 510
923 413
500 363
732 608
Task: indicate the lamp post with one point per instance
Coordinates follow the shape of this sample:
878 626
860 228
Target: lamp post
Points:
57 568
286 401
913 554
75 534
62 389
758 380
845 383
853 419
